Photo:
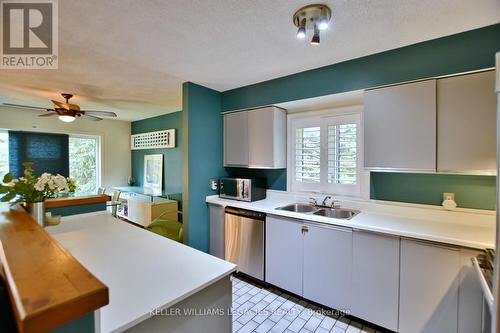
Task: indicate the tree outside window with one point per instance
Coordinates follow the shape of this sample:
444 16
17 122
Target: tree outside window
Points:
83 157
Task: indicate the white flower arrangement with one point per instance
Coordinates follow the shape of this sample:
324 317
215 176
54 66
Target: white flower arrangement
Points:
30 189
56 184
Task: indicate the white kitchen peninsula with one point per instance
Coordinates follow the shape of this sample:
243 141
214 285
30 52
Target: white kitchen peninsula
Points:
155 284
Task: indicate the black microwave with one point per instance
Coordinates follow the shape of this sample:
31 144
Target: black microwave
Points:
242 189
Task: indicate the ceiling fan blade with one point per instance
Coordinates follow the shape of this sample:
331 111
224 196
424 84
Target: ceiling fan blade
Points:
60 105
86 116
25 106
100 113
48 114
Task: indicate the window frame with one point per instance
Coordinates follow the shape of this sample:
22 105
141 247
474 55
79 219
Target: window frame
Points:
323 119
97 135
7 151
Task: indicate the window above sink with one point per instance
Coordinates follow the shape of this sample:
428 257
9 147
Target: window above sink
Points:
325 151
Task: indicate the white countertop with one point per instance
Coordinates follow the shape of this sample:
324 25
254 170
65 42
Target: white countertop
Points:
142 270
472 229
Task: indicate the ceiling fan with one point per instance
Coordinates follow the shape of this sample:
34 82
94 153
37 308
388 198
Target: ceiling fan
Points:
67 112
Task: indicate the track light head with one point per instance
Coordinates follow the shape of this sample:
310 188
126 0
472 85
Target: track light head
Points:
323 25
323 19
301 33
315 39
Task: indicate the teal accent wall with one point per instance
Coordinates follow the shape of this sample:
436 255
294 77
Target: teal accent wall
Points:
477 192
275 179
172 157
470 50
461 52
203 154
84 324
77 209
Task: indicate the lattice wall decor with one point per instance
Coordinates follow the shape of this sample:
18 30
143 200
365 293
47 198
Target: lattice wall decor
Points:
150 140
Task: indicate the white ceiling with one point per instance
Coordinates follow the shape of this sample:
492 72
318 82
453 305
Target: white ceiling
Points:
132 56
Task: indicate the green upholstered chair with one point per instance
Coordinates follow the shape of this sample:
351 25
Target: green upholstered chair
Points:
167 228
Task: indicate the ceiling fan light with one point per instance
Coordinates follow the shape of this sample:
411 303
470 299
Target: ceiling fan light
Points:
67 119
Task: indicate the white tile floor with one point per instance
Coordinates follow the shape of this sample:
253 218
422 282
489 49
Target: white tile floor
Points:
257 309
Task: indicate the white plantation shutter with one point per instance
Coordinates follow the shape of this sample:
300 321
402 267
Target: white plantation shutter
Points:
325 154
307 154
342 154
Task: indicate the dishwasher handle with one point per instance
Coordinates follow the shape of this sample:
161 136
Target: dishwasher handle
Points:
245 213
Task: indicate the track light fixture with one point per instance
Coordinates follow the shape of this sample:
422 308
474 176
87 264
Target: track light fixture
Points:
313 17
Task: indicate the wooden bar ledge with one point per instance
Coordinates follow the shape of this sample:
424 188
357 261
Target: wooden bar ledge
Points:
47 286
74 201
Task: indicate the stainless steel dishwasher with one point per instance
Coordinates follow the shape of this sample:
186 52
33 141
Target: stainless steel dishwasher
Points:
244 240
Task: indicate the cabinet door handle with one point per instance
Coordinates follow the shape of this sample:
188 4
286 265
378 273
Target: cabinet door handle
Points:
304 229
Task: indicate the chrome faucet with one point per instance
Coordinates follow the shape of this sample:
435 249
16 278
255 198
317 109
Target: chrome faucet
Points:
334 203
325 200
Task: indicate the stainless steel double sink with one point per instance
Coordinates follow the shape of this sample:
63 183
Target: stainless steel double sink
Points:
336 213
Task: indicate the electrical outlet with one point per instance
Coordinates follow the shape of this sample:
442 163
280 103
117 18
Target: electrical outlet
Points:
213 184
448 196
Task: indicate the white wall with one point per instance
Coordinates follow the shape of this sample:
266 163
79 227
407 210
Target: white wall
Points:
115 139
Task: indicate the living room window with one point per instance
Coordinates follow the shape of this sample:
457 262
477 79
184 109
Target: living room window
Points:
4 153
83 156
84 161
325 151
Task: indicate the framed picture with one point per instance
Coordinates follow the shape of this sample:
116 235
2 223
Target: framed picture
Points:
153 173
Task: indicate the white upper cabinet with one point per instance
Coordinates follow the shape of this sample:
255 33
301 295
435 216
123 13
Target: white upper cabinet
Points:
466 109
400 127
445 125
236 139
255 138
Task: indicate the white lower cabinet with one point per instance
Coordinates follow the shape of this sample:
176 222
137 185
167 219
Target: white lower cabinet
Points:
284 250
470 296
400 284
216 234
429 286
327 265
375 278
310 260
